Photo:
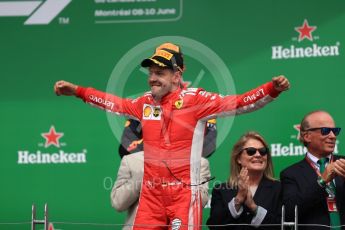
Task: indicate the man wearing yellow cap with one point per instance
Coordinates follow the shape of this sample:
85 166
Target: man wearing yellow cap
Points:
173 121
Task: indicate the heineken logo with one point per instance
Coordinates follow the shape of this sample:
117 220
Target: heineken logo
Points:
300 47
305 31
294 148
60 157
52 137
280 52
51 152
297 127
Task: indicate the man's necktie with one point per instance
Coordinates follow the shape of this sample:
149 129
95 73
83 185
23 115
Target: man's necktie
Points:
334 216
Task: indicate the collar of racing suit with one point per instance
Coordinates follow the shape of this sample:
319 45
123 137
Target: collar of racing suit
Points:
167 104
170 96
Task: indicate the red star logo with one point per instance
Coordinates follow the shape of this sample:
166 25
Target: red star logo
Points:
52 137
298 128
305 31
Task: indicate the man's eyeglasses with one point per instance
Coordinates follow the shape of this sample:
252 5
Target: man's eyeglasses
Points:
326 130
251 151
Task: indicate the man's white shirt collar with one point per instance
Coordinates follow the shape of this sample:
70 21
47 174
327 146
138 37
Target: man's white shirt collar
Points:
314 159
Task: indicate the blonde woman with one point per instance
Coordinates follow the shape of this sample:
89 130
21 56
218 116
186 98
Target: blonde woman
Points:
251 196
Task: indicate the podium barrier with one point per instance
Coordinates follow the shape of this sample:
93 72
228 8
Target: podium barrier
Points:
284 223
35 222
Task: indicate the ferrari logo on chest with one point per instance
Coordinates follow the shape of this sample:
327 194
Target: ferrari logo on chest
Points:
179 104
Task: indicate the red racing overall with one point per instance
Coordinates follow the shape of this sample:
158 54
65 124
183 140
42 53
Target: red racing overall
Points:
173 132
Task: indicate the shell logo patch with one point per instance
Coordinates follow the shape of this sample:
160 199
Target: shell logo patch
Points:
147 110
179 104
151 112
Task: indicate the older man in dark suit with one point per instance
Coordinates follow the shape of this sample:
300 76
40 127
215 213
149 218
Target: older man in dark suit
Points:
317 183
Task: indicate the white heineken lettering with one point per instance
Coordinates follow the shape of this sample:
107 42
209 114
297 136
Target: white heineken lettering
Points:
99 100
279 52
25 157
280 150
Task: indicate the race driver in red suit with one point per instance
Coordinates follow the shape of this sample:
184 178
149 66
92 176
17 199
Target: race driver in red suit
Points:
173 122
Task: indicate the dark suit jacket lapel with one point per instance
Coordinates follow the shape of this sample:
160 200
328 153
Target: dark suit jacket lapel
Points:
308 172
228 194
